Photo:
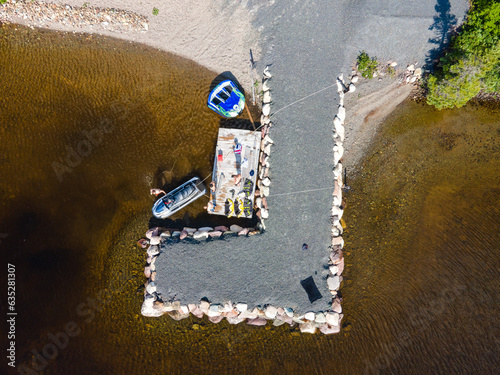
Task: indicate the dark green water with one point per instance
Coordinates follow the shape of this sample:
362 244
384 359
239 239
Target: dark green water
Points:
422 236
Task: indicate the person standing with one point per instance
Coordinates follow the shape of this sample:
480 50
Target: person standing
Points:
237 153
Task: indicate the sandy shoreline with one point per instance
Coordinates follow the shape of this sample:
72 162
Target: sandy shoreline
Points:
366 109
216 34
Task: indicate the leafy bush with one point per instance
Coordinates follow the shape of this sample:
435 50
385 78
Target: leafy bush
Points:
473 62
3 1
366 65
155 11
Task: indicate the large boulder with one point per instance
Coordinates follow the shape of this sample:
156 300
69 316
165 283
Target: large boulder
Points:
287 319
243 232
336 255
235 320
320 318
215 234
334 270
148 307
205 229
200 235
216 319
248 315
266 109
241 307
235 228
214 310
336 305
204 306
310 316
307 328
155 240
257 322
270 312
340 266
178 315
332 318
153 232
278 322
328 330
338 241
195 310
333 282
231 314
267 97
153 250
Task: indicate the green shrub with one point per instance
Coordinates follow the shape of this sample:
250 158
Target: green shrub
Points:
473 62
366 65
155 11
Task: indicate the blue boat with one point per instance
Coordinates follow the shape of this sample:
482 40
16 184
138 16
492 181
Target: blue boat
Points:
226 99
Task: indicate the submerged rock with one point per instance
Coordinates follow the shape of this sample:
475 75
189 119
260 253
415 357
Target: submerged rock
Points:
307 328
328 330
216 319
235 320
257 322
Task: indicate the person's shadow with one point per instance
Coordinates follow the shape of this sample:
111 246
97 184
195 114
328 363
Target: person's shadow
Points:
444 23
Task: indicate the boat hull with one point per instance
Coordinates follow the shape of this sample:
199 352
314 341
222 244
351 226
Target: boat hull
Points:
178 198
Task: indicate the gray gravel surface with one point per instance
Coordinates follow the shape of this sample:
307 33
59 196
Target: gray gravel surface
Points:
306 43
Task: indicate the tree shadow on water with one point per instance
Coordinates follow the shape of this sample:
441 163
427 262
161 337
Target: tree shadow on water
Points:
443 26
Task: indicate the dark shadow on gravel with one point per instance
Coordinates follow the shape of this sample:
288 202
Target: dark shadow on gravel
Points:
444 25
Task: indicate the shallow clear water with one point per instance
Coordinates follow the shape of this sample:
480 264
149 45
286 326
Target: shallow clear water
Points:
422 223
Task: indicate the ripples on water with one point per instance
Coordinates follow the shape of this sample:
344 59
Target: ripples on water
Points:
422 241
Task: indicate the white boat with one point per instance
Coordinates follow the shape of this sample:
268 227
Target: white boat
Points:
178 198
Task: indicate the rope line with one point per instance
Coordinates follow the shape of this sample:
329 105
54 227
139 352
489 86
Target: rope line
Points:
304 98
302 191
206 177
297 101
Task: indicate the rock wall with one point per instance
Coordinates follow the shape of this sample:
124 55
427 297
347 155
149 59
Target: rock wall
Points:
326 322
264 179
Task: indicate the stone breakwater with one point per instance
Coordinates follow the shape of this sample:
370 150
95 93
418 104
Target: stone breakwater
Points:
326 322
264 179
153 306
336 258
40 14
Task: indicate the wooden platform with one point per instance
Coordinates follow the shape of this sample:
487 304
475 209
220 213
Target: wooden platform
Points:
228 165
